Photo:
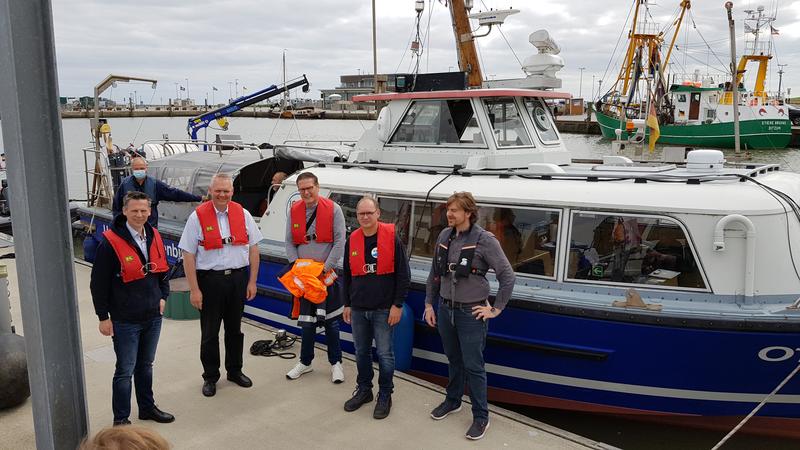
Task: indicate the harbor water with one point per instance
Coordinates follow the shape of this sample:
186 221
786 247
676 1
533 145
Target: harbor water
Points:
623 433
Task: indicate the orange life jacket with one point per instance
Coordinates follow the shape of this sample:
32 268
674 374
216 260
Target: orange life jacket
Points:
212 239
306 280
324 219
385 251
131 266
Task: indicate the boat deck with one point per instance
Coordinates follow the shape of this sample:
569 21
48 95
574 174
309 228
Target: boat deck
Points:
276 413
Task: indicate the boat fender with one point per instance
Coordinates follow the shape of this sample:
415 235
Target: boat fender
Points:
403 339
90 244
14 384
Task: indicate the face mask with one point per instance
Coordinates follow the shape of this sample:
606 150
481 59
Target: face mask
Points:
139 174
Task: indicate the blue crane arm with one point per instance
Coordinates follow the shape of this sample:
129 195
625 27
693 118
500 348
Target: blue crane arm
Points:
197 123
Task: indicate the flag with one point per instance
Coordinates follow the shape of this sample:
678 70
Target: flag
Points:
652 123
773 30
183 88
214 88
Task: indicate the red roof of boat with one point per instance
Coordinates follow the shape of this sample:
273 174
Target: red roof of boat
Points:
469 93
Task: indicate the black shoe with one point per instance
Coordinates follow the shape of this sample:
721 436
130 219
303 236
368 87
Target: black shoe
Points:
157 415
382 407
360 396
477 429
122 422
445 409
209 388
240 379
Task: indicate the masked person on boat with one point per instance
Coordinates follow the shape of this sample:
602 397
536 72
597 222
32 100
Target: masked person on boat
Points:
129 291
316 231
464 253
375 282
220 253
157 190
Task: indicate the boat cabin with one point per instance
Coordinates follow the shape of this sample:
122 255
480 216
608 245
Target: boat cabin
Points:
475 129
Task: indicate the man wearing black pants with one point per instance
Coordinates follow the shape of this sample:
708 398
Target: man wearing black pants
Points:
220 244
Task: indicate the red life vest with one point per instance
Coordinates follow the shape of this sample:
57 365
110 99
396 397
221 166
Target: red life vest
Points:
324 219
212 239
385 250
131 266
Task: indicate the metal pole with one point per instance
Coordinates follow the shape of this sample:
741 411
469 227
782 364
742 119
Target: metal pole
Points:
34 145
735 77
374 51
580 83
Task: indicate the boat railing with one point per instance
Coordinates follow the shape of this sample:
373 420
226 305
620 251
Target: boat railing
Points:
647 27
161 148
312 142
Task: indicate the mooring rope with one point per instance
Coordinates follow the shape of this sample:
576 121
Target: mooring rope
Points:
757 408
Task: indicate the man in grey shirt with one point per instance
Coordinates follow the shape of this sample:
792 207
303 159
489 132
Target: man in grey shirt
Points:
316 230
464 253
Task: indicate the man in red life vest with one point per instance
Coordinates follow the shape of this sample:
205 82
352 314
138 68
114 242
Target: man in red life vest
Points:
315 230
375 282
220 254
129 290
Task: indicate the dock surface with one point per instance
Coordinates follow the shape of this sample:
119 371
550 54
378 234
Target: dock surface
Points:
275 413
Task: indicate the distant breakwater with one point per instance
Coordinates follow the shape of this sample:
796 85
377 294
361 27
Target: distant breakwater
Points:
187 112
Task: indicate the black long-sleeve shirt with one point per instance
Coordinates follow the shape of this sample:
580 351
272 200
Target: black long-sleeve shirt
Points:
373 291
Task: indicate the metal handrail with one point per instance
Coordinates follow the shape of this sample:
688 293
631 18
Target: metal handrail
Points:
220 145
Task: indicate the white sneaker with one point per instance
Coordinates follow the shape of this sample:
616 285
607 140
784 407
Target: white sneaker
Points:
337 373
298 370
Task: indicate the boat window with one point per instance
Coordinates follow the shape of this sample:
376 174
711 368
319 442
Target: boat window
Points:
682 98
429 220
541 120
631 249
528 237
348 203
509 131
397 212
438 122
178 177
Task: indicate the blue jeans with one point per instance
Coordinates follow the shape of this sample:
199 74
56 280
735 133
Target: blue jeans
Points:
309 331
369 325
463 339
135 345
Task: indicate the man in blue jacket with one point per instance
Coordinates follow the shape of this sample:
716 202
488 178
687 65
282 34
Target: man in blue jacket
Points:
129 291
157 190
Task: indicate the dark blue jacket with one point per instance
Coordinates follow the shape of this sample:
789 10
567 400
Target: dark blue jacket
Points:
136 301
157 190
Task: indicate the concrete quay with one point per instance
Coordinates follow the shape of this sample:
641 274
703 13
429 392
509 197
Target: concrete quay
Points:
275 413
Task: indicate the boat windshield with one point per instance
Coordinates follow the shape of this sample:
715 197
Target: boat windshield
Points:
439 122
509 129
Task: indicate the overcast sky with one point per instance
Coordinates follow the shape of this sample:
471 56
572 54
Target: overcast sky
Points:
214 43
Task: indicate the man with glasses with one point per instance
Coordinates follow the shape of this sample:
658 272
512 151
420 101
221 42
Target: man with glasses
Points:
315 230
375 282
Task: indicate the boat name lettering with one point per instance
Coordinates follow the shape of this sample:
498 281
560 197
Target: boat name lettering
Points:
172 250
776 353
